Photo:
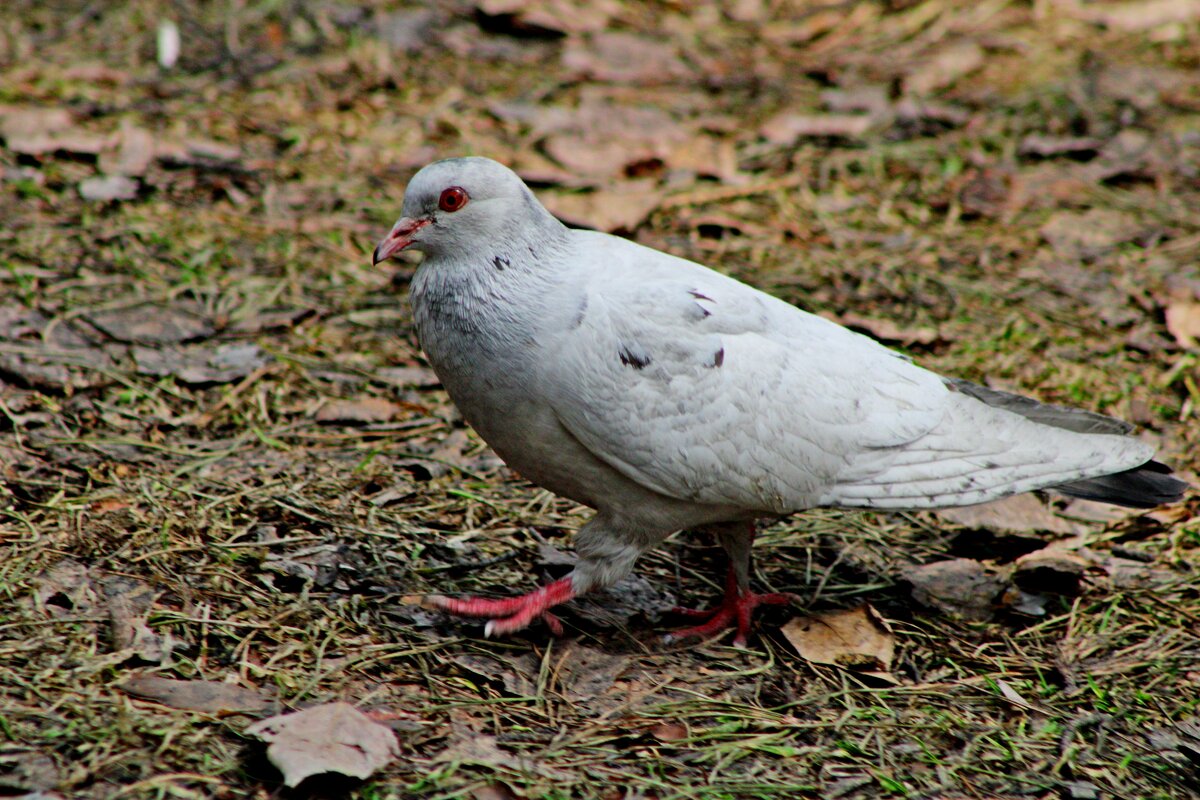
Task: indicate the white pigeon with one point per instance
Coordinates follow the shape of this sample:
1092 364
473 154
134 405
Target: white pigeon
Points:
667 396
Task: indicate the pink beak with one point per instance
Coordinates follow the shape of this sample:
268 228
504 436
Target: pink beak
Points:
400 237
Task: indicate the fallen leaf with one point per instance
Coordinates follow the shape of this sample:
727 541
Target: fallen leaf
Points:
1142 86
66 589
493 791
153 324
321 565
623 140
360 410
1044 146
944 68
584 673
986 192
621 208
418 377
212 697
622 57
1048 184
270 320
1051 570
201 365
960 586
517 675
1124 573
871 99
551 16
469 747
1089 234
103 188
1183 322
37 131
669 731
335 737
136 151
1020 513
29 771
1012 695
128 603
707 156
887 330
409 30
786 128
1140 15
857 639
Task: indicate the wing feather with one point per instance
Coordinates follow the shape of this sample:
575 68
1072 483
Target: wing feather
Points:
704 389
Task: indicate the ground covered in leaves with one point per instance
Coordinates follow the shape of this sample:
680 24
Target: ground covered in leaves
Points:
225 469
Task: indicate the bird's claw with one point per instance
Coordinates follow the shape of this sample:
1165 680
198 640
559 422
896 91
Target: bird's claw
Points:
509 614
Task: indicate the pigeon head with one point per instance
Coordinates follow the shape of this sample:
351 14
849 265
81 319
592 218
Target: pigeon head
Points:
462 204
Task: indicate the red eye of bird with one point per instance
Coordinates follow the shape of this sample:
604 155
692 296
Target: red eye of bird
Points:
453 199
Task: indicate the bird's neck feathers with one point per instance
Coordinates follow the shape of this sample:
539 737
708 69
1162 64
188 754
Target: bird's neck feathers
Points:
486 287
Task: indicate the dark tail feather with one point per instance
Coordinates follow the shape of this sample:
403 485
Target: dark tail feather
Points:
1146 486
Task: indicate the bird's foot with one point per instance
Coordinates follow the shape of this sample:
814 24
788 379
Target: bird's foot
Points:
509 614
734 611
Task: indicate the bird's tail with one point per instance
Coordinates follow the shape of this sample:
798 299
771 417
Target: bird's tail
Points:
1147 486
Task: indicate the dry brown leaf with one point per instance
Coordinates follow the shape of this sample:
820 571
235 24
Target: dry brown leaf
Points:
1142 86
153 324
887 330
707 156
787 127
857 639
622 208
1183 321
1044 146
1051 570
584 672
360 410
960 586
104 188
28 774
622 57
1139 15
493 791
552 16
66 589
1089 234
469 747
597 140
871 99
987 192
944 68
1021 513
129 601
1095 511
36 131
202 365
334 737
518 675
419 377
1050 184
136 150
1124 573
211 697
669 731
1012 695
19 121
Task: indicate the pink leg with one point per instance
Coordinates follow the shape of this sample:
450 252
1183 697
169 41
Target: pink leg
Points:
734 611
510 614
